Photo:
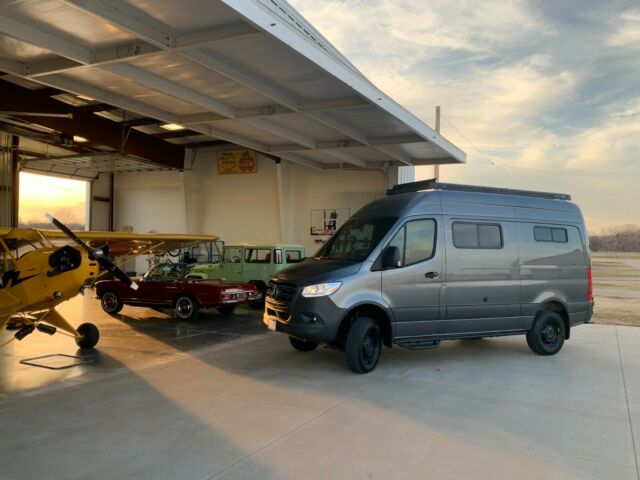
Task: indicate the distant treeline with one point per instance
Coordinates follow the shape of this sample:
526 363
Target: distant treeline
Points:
617 239
49 226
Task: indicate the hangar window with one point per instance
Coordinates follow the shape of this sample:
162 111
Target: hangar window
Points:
548 234
477 235
257 255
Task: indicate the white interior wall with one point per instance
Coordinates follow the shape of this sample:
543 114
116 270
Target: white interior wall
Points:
98 208
244 207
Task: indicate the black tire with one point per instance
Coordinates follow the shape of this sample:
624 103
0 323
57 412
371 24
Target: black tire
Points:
186 308
111 303
90 335
262 288
547 334
227 309
302 345
364 345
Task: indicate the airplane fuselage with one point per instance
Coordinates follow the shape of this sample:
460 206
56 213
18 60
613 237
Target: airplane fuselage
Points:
43 278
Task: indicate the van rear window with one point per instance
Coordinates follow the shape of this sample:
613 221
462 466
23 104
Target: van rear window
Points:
477 235
549 234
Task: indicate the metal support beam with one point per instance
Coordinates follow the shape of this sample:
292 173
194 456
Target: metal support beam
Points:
127 17
281 132
171 88
176 134
15 182
224 66
274 110
45 38
138 49
97 129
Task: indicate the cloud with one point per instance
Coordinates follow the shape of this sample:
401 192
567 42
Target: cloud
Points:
628 32
546 91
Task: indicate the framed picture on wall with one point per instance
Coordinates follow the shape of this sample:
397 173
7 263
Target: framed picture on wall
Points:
328 221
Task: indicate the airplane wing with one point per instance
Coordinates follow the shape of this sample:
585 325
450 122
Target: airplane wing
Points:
16 238
123 243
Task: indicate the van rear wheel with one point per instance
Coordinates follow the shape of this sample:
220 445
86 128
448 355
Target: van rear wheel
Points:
547 335
364 345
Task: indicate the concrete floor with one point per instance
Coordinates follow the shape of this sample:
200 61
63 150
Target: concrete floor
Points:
222 398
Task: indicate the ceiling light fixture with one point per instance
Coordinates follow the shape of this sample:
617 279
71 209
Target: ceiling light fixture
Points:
79 139
172 127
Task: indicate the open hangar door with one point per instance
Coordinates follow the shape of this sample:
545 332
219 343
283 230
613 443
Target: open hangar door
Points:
51 132
201 77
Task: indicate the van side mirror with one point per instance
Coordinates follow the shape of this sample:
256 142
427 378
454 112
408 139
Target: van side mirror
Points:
391 257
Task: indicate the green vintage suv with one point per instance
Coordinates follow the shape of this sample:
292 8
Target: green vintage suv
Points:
250 263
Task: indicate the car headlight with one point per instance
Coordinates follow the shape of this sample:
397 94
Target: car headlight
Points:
321 289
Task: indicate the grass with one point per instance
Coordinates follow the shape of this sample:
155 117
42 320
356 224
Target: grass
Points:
612 272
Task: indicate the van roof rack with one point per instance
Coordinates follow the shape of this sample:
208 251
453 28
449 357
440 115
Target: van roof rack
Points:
432 184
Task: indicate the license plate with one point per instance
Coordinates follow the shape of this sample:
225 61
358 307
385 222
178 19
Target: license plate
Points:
272 325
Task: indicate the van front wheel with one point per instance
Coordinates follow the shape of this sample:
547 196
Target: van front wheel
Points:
546 337
364 345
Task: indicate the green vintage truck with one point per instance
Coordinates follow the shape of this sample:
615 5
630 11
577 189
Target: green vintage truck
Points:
250 263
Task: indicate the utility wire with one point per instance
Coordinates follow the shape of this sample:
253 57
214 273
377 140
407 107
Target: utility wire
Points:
482 155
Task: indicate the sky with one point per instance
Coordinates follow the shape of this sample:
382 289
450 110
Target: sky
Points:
540 94
39 194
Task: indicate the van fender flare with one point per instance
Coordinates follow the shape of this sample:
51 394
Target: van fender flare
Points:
550 301
378 307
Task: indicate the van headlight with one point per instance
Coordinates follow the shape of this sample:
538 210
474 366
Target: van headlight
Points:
321 289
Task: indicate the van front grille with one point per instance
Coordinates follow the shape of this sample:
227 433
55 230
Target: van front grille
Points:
281 292
279 296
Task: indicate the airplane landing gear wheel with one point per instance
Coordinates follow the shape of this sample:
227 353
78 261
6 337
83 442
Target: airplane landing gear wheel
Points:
90 335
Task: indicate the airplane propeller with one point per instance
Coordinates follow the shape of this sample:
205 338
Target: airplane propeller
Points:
96 253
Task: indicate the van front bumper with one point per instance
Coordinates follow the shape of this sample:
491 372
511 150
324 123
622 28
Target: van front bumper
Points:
316 319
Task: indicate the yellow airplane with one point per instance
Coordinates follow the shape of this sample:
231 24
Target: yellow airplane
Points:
36 275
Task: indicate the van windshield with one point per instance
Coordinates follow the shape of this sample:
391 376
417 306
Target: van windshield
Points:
356 239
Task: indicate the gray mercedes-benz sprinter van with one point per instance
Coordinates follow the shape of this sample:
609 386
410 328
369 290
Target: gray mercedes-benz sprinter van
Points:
451 262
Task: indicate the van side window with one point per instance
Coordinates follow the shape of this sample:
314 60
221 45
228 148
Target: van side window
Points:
293 256
257 255
232 255
416 241
477 235
278 255
548 234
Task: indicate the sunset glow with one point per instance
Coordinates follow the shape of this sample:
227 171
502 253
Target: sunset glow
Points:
62 197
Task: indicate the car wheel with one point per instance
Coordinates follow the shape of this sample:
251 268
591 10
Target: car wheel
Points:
89 335
262 288
227 309
302 345
547 335
364 345
111 303
186 308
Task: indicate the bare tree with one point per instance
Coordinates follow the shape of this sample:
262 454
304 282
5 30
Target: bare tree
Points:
624 238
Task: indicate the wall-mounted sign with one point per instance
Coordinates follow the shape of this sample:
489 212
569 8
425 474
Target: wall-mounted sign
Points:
236 161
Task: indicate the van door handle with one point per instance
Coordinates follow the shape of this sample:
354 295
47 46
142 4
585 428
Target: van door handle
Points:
432 275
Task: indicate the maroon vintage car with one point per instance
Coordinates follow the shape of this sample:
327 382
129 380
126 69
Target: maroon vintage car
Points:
165 286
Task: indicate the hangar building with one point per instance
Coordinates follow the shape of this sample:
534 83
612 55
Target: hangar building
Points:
145 100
